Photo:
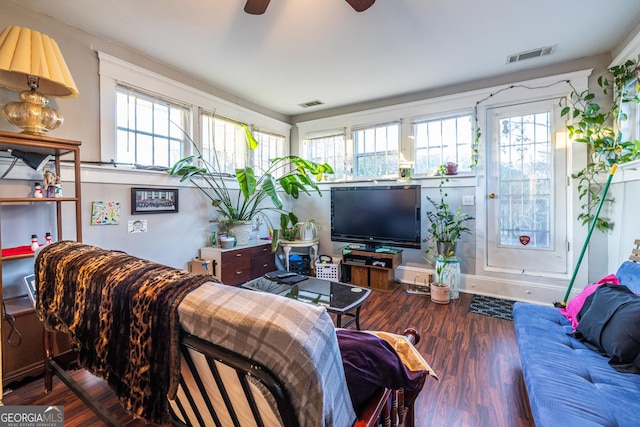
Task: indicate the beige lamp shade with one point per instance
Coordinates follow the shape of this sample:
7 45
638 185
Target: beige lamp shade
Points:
24 52
32 60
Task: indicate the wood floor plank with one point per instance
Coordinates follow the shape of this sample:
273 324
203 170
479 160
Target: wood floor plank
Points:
475 356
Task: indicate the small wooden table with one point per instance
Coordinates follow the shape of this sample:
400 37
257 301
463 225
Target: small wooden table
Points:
288 244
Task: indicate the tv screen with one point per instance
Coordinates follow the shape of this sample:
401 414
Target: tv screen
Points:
376 216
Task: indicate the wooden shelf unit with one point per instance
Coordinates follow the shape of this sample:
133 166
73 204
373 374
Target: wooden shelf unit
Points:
374 270
15 363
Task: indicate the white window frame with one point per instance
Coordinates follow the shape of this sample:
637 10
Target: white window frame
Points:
336 160
113 71
378 151
236 149
270 146
135 135
431 169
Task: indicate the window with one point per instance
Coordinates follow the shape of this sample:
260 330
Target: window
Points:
328 149
443 140
630 126
525 179
376 150
150 131
223 143
270 146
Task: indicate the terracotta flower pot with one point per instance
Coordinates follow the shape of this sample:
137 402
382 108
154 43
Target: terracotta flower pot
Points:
452 168
440 293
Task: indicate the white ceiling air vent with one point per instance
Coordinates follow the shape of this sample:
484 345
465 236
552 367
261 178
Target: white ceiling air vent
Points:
530 54
311 104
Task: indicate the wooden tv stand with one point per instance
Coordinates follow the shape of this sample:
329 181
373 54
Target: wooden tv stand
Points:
371 269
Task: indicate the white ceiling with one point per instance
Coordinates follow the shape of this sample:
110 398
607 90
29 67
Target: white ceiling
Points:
306 50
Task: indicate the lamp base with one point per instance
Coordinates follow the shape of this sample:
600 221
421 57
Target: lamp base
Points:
32 115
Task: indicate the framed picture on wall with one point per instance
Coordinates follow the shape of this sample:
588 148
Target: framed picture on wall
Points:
30 283
154 200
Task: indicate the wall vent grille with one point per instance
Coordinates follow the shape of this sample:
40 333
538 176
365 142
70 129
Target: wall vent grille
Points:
530 54
310 104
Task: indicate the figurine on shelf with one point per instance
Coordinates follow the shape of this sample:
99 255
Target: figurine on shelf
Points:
37 191
58 189
49 179
34 242
47 238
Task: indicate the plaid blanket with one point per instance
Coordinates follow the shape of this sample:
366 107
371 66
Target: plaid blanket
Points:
294 340
121 314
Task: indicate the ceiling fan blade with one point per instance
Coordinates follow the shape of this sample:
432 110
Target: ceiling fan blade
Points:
256 7
361 5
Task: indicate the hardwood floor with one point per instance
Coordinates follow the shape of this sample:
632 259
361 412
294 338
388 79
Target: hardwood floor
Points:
475 356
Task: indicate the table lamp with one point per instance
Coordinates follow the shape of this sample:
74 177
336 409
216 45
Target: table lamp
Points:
29 58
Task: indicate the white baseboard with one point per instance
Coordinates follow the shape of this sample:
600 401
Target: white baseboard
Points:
491 286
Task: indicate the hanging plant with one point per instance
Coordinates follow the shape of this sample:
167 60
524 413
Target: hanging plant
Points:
599 129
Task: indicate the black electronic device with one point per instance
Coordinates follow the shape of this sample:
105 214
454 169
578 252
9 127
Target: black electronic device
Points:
376 215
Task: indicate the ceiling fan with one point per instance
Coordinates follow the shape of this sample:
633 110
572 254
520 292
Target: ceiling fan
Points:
258 7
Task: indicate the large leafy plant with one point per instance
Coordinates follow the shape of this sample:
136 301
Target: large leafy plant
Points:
258 192
599 128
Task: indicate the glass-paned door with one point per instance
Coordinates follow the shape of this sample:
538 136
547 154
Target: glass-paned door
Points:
526 190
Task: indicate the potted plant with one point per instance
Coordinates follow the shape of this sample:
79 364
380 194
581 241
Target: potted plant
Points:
599 128
288 227
258 193
440 290
451 168
308 230
446 226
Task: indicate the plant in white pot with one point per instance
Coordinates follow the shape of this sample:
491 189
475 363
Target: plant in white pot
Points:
308 230
258 193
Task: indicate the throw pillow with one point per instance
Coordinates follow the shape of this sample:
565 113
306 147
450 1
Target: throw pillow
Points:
371 363
610 325
575 305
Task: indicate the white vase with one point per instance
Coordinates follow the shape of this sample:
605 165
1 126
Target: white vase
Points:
242 232
306 231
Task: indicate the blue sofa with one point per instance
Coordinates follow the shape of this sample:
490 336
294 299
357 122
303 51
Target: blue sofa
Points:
567 383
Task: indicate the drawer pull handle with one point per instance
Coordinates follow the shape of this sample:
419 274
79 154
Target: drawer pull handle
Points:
238 255
265 249
238 273
265 265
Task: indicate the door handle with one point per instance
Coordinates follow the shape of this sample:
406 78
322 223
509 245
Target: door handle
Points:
493 196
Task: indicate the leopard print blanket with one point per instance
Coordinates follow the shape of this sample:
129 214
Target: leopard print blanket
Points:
121 314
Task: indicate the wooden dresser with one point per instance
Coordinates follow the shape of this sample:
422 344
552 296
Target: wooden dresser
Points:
240 264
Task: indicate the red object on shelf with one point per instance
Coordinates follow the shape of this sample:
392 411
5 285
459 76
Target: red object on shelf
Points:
18 250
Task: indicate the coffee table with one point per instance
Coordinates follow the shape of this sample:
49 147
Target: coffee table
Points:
338 298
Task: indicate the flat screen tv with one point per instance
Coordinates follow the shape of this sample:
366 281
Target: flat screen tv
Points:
376 216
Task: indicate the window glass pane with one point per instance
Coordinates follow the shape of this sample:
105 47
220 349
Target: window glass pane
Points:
376 150
223 143
525 180
440 141
270 146
150 131
328 149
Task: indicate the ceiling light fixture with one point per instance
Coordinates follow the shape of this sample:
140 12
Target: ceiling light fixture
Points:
258 7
